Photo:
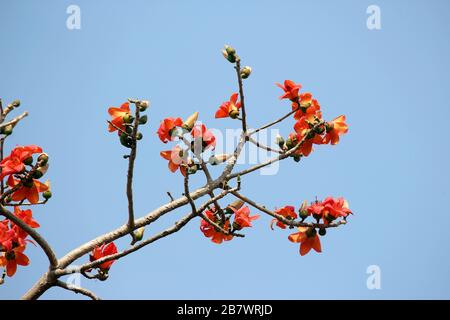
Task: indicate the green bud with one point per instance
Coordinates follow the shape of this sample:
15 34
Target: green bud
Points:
279 141
28 184
8 130
139 234
128 129
236 226
143 119
43 159
37 174
47 194
297 158
234 113
245 72
16 103
28 161
125 140
143 105
139 136
322 231
230 50
128 118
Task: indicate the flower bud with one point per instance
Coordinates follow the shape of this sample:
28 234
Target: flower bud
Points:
37 174
139 136
279 141
229 53
47 194
16 103
139 234
128 118
245 72
322 231
28 161
190 122
143 119
234 113
219 158
143 105
128 129
7 130
43 159
297 158
236 226
125 140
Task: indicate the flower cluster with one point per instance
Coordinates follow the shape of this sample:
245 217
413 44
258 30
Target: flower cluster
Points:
194 138
127 124
323 212
235 211
309 128
22 172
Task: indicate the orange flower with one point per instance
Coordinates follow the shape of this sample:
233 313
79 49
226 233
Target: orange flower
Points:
229 108
335 128
177 159
14 162
103 251
308 107
307 146
29 191
308 239
203 137
288 212
242 218
117 115
334 208
10 259
167 128
211 232
27 217
290 89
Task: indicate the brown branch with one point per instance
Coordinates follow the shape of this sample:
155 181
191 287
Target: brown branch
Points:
174 228
77 289
25 204
33 234
241 94
131 160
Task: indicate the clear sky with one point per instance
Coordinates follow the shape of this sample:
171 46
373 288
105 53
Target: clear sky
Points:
392 166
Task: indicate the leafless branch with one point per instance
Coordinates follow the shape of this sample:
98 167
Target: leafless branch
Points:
77 289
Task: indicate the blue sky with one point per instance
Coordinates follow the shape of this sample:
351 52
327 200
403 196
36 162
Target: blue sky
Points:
392 166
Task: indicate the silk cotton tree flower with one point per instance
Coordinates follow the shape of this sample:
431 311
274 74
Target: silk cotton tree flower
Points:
193 153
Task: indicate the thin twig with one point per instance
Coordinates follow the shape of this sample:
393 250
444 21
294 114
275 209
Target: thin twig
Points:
131 160
241 94
262 146
170 196
273 122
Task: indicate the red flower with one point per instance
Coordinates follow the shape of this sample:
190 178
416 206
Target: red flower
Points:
211 232
288 212
27 217
316 210
242 218
308 239
14 162
177 159
290 90
167 128
103 251
229 108
308 107
117 115
28 191
335 128
203 136
10 259
335 208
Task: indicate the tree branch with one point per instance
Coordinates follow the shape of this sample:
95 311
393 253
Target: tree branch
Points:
77 289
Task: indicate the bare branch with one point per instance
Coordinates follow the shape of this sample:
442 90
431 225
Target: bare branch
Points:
270 124
241 94
77 289
262 146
